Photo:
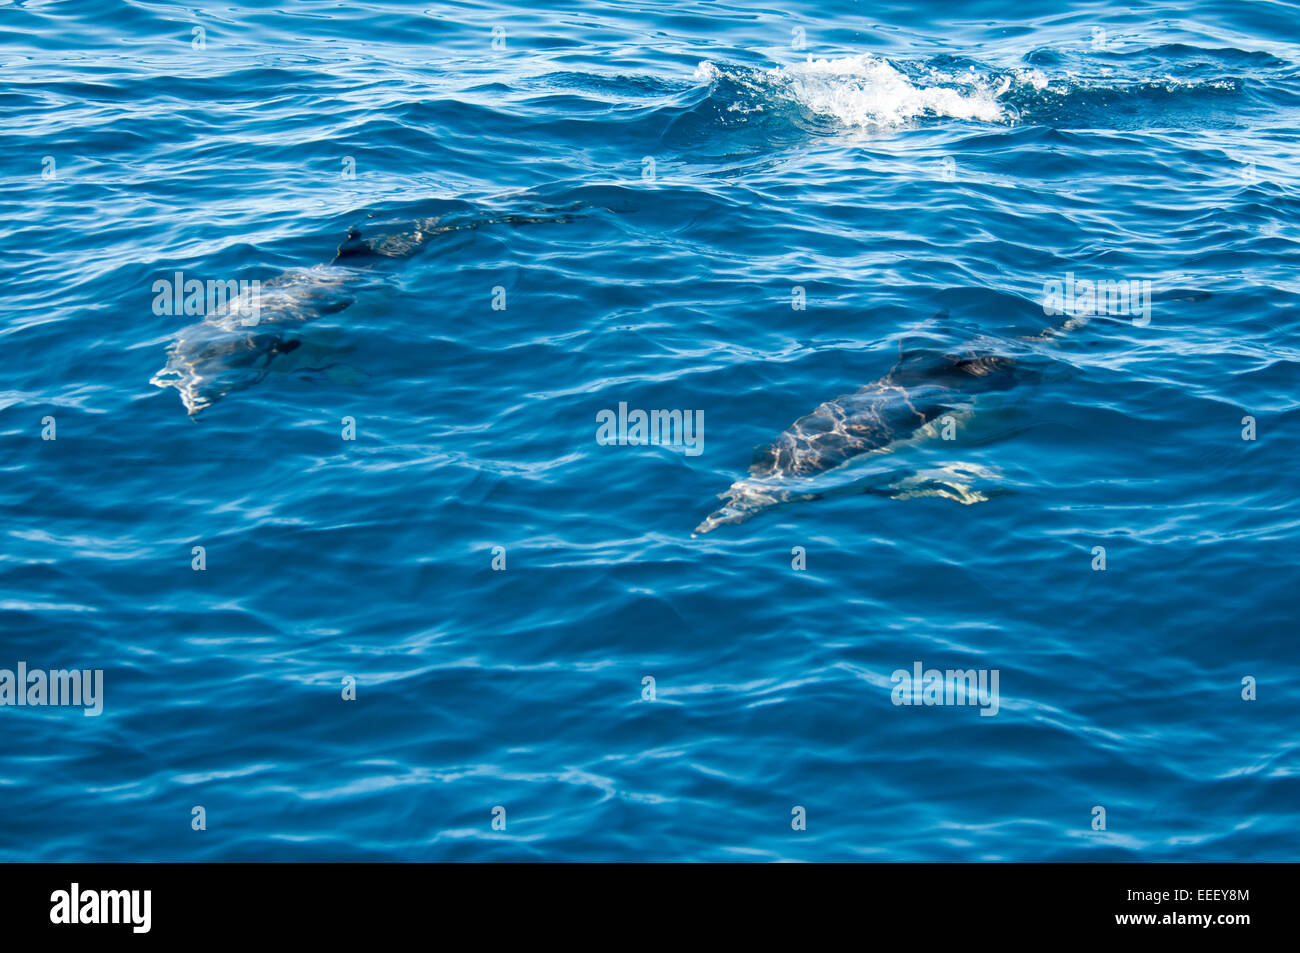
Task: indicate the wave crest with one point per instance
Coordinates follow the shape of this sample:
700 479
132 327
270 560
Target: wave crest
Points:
867 91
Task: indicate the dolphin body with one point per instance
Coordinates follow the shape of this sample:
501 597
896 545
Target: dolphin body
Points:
240 344
236 347
922 387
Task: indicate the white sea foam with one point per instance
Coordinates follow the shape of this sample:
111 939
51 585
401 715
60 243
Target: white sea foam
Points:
866 90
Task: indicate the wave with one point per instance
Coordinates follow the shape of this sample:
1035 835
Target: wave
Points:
867 91
862 90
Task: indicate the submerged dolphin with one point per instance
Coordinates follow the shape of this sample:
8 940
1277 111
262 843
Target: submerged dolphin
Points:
237 345
921 387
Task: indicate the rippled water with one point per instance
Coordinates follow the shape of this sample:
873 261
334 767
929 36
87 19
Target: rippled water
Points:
475 227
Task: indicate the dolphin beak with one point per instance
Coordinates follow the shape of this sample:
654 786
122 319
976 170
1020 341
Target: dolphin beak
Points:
744 500
731 513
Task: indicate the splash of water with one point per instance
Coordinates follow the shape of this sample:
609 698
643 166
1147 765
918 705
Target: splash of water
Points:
868 91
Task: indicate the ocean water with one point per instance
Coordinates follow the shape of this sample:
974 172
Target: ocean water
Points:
362 574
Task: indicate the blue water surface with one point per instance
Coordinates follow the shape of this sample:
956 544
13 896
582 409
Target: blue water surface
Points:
738 210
